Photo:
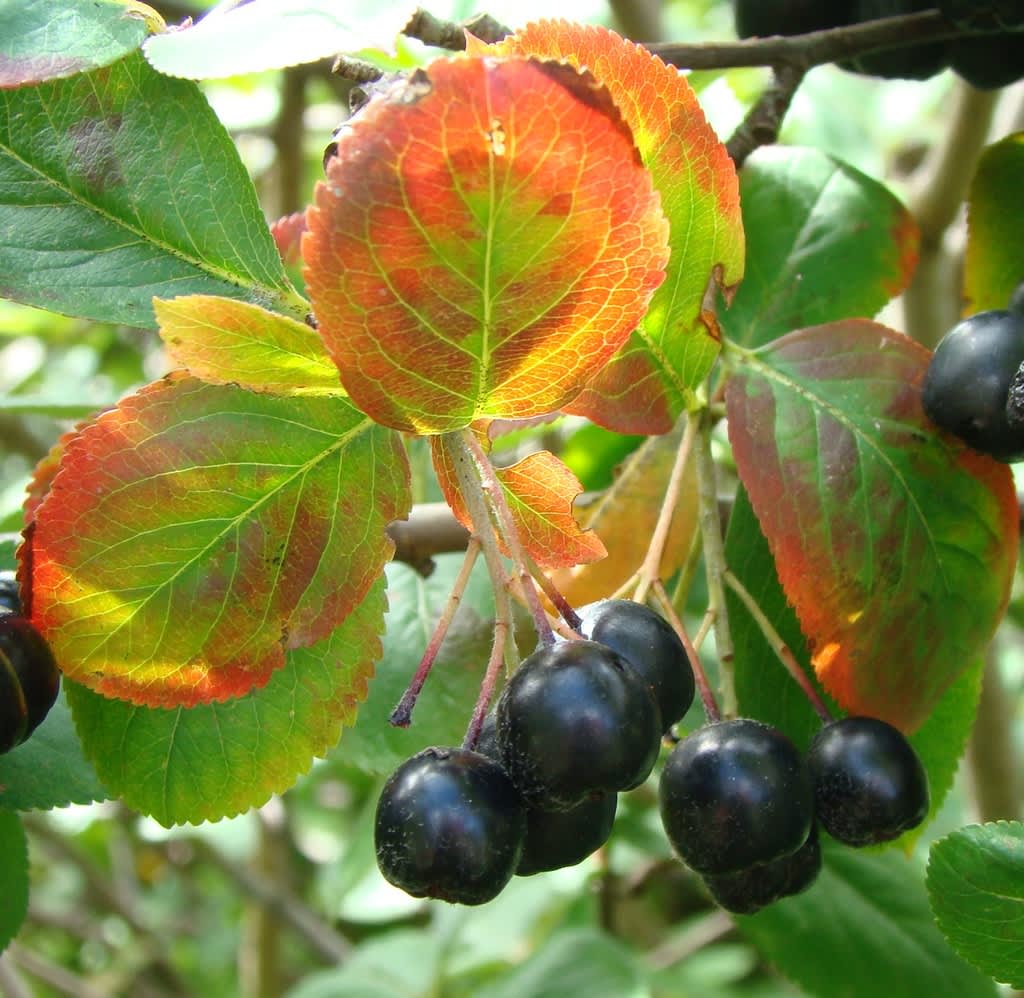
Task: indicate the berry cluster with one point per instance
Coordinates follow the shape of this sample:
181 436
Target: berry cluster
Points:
741 805
29 678
974 387
989 54
577 722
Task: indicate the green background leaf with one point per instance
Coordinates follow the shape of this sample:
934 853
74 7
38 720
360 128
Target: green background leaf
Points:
824 242
976 886
864 928
41 40
219 759
13 876
120 185
49 769
258 520
878 524
994 263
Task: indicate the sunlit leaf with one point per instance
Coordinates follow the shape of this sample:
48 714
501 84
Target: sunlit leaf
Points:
644 388
878 525
42 40
225 342
218 759
824 242
994 263
196 532
485 241
120 185
976 887
624 517
271 34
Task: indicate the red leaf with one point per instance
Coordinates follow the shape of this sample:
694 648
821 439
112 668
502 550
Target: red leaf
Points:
486 240
877 523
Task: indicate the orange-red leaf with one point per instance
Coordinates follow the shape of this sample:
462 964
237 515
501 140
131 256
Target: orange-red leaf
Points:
486 240
644 388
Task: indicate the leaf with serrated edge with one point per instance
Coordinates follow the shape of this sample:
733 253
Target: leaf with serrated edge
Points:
877 523
994 261
218 759
765 691
486 239
624 516
864 928
120 185
829 243
645 386
49 769
976 887
225 342
41 40
539 491
197 531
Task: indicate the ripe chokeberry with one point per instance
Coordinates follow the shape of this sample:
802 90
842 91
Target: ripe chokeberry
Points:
29 680
967 386
556 839
645 640
913 62
449 825
574 721
750 890
869 784
788 17
733 794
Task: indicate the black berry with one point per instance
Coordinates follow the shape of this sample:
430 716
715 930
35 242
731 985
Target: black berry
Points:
29 680
575 721
645 640
788 17
869 784
989 61
914 62
750 890
967 384
733 794
449 825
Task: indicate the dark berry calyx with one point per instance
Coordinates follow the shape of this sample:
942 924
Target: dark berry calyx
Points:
576 721
869 784
734 794
967 386
29 680
449 825
645 640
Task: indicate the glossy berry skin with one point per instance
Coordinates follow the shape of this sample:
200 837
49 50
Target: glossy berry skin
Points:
576 721
645 640
449 825
912 62
556 839
29 680
869 784
733 794
750 890
967 384
10 594
788 17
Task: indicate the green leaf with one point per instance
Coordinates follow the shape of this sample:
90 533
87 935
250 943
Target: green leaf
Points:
824 242
864 928
196 532
231 342
120 185
878 523
49 769
218 759
993 265
13 876
767 693
443 711
41 40
572 962
976 886
272 34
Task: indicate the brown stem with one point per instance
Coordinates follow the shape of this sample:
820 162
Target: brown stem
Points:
707 696
451 34
430 529
761 125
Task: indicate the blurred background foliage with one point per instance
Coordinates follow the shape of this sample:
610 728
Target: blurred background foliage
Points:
287 900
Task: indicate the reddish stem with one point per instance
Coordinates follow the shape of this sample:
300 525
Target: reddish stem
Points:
483 700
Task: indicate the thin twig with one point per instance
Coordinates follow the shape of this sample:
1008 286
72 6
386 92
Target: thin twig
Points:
490 680
707 696
451 35
761 125
558 601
